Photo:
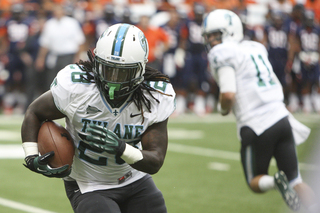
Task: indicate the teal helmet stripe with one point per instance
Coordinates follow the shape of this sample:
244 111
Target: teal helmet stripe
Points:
119 40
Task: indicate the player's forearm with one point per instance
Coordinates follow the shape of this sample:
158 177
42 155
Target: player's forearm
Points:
43 108
154 142
151 162
30 127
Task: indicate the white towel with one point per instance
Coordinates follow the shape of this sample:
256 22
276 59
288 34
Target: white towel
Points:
300 131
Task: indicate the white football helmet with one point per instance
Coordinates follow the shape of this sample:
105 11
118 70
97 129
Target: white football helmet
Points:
121 55
224 21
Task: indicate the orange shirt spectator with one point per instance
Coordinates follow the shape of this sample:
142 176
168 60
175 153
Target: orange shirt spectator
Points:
5 5
222 4
314 5
155 36
215 4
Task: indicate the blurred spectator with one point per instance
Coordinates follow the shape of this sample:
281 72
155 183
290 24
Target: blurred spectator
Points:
5 5
241 10
4 74
283 6
17 29
308 37
249 31
278 6
158 41
34 79
126 16
195 71
294 21
61 42
314 5
173 59
221 4
108 19
214 4
88 27
276 41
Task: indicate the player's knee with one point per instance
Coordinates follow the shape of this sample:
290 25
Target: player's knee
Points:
97 206
94 202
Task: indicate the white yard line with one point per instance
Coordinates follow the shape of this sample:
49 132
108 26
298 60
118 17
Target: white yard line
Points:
9 136
219 166
195 150
22 207
206 152
11 152
184 134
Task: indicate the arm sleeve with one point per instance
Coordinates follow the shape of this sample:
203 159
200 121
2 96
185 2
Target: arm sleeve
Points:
222 61
68 91
227 79
61 91
166 106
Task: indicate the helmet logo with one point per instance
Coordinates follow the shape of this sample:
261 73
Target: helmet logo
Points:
229 18
105 32
143 42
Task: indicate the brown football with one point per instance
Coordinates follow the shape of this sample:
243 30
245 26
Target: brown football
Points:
54 137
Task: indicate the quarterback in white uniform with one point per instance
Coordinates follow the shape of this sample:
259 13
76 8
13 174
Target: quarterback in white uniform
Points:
116 109
249 87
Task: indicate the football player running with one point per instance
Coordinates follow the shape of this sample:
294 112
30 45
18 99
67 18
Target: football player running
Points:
116 109
249 87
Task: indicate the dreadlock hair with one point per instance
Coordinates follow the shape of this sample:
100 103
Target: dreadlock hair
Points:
138 96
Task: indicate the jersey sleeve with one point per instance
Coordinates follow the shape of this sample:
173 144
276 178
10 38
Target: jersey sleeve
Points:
67 88
261 47
166 106
61 90
221 56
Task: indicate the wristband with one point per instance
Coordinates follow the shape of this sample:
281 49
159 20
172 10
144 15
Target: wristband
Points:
131 155
30 148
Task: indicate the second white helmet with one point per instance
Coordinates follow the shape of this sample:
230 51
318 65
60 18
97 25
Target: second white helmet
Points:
224 21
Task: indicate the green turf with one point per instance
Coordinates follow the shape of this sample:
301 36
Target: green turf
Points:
187 183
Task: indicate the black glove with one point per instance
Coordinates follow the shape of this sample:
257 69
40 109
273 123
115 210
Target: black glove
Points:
39 164
103 139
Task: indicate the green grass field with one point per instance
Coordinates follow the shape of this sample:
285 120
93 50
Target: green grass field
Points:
201 174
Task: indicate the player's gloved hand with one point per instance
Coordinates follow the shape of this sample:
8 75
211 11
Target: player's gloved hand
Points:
105 140
39 164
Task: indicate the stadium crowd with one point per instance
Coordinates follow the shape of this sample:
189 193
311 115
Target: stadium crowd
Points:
29 57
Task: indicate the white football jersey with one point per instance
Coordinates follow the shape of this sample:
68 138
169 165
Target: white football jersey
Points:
83 104
259 97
